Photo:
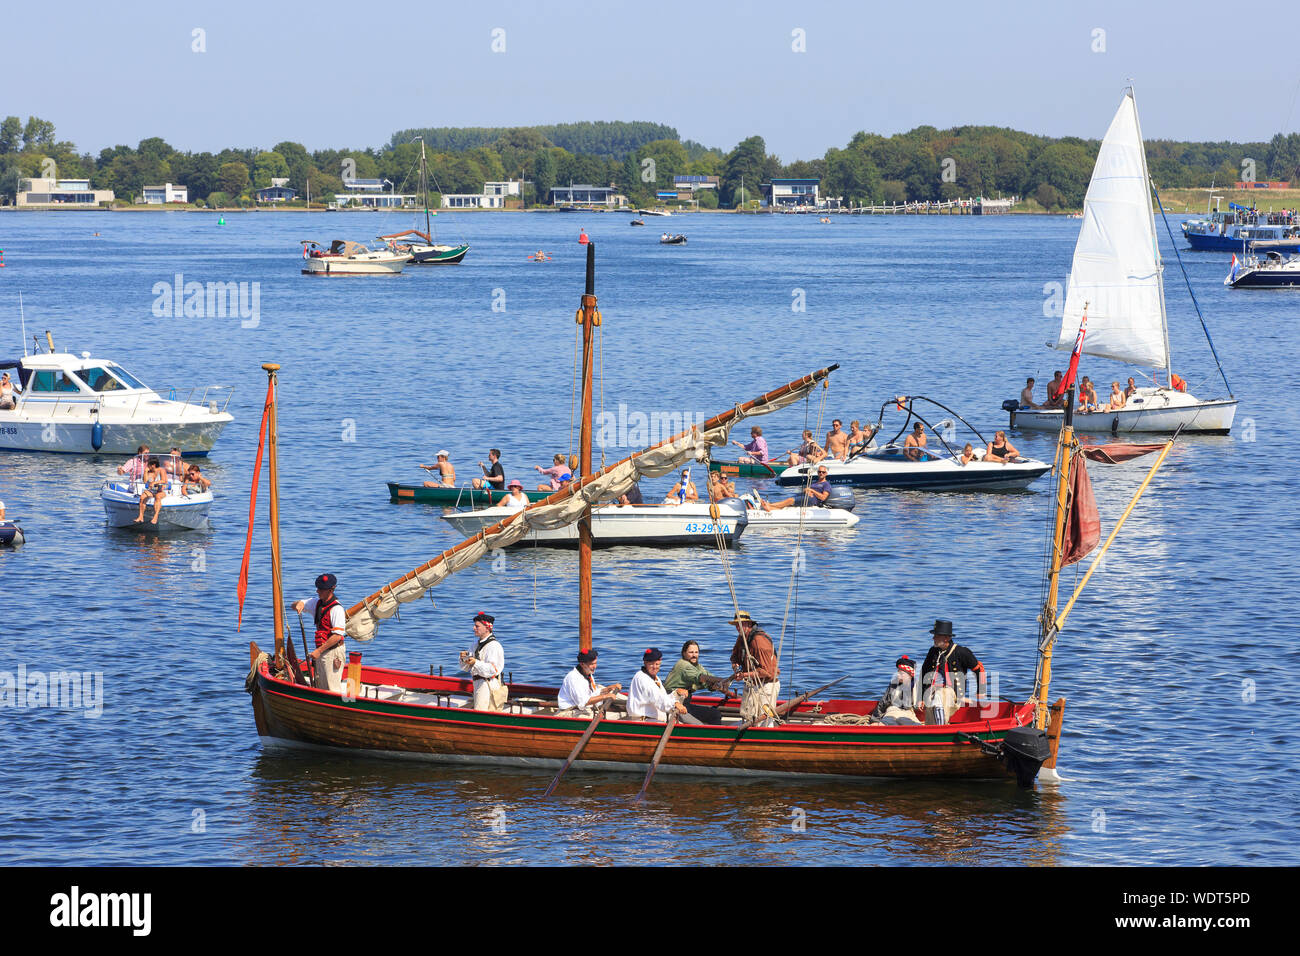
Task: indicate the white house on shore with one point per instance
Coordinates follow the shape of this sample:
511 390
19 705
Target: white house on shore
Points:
166 193
493 196
64 193
369 194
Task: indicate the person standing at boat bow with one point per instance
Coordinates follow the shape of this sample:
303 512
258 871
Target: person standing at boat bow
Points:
943 675
330 620
754 659
485 662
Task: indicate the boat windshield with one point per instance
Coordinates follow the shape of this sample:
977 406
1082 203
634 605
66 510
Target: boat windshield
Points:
52 380
102 379
125 377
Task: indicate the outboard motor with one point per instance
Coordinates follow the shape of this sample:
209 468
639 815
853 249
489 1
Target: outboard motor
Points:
842 497
1011 406
1024 749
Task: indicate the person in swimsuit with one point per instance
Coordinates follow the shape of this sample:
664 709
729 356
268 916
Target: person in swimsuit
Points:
194 477
837 442
859 439
6 392
445 469
155 487
915 442
683 491
1131 390
809 452
1000 450
967 455
1116 399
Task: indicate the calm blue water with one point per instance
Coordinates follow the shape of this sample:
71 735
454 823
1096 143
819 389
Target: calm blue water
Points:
1169 755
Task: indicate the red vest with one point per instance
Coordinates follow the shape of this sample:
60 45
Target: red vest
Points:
322 622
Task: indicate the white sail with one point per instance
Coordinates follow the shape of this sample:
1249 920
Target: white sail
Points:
1116 269
567 506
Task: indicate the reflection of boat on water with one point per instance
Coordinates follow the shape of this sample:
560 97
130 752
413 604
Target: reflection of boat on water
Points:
177 512
347 258
1116 282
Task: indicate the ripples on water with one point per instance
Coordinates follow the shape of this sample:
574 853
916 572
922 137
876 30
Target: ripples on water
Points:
1167 756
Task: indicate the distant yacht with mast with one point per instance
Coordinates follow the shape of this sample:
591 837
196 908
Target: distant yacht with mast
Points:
422 248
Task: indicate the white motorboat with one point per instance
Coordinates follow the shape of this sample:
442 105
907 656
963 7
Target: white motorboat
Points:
121 498
810 519
1116 280
644 525
80 405
347 258
1269 271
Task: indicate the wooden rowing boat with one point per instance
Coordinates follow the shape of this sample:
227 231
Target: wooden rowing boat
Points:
463 497
745 469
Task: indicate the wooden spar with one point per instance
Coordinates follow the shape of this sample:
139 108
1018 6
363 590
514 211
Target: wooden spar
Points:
1057 714
1047 619
577 749
587 316
716 421
659 752
273 493
1060 619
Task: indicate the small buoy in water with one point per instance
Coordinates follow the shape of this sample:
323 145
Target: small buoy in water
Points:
582 238
97 436
221 220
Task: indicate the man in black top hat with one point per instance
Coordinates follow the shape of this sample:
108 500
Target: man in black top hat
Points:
943 675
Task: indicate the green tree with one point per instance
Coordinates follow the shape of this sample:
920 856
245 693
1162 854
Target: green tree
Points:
11 135
746 162
543 174
269 166
38 133
233 178
1047 196
1067 166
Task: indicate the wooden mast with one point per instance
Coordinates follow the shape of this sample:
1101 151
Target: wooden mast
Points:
589 318
273 493
1047 625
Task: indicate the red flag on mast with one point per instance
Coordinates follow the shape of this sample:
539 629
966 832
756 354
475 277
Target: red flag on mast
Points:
1082 524
252 500
1073 369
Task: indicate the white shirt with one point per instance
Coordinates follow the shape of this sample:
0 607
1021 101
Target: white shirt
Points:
511 503
337 618
489 660
647 698
576 690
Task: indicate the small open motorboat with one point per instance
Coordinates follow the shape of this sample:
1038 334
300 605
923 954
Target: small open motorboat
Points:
893 465
11 536
676 240
347 258
1271 271
638 222
653 526
178 512
836 513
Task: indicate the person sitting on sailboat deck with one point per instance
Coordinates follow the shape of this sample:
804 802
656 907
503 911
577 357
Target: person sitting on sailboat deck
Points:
494 478
155 487
555 471
1027 395
194 479
580 693
756 446
135 467
914 443
7 399
898 705
837 441
754 661
1000 450
1088 396
1130 390
683 491
446 471
515 499
809 452
647 699
1117 400
689 674
1056 391
720 487
812 496
485 662
330 620
943 675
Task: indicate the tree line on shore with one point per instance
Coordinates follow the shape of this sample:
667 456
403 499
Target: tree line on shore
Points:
640 159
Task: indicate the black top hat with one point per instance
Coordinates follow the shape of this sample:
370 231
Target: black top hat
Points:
942 628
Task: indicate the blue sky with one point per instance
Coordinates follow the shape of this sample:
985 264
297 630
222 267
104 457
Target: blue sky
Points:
349 74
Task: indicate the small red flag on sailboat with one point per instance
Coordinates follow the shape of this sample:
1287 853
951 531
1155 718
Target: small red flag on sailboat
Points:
1082 524
1073 369
252 501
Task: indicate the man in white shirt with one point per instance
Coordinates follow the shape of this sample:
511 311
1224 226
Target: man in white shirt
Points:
330 620
647 699
485 662
580 693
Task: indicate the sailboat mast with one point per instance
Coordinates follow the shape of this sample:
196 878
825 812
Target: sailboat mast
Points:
1047 620
1155 243
424 187
589 319
273 493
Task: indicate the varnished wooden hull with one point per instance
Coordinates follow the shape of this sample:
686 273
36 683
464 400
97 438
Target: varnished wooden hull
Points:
300 715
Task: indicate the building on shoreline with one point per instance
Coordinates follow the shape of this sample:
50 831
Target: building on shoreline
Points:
791 192
588 196
369 194
278 191
161 195
64 193
494 196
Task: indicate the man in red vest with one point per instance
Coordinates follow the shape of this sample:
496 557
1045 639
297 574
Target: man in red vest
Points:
330 620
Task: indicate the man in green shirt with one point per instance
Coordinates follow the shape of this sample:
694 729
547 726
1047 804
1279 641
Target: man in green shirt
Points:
688 674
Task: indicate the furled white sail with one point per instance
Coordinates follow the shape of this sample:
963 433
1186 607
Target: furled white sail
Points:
565 507
1116 271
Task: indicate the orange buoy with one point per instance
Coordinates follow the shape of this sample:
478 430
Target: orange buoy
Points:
582 238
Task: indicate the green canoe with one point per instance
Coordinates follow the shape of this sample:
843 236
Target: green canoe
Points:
453 497
732 469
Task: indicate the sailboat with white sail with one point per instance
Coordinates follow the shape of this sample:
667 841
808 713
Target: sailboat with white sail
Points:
1116 278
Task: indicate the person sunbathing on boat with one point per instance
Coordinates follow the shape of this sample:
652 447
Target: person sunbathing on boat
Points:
915 442
859 440
446 471
837 441
1088 396
1027 395
720 487
815 494
155 487
1130 390
7 399
683 491
1000 450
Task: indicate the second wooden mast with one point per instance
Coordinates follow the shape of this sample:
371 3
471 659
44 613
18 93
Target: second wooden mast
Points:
589 319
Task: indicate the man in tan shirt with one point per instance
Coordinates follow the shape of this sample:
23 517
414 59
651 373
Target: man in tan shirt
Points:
754 660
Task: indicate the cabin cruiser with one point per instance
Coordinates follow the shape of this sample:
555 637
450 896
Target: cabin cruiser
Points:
79 405
1230 231
1270 271
344 257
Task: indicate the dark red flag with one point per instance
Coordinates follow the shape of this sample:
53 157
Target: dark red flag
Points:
252 500
1082 524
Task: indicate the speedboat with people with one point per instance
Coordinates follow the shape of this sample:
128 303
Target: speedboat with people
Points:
676 240
1230 231
346 258
915 464
179 509
1270 271
82 405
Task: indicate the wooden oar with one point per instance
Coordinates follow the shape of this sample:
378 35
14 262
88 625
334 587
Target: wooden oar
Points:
582 742
789 705
659 752
311 665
